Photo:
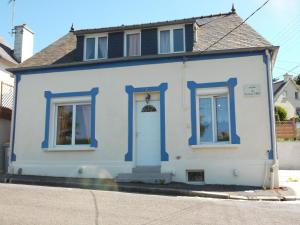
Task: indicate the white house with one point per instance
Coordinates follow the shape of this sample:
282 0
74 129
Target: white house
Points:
150 102
287 95
9 57
6 90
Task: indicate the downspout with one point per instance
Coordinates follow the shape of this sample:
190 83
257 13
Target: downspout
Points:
274 183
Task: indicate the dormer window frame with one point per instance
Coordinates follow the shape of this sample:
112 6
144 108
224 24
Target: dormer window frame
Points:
128 32
96 38
171 29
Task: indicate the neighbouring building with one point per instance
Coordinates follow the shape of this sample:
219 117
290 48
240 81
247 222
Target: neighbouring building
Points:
9 57
287 95
151 102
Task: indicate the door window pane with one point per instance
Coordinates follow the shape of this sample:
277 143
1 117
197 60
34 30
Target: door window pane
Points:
178 40
64 125
133 44
83 124
102 47
90 48
206 126
222 119
165 41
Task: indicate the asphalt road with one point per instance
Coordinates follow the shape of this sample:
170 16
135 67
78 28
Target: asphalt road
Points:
35 205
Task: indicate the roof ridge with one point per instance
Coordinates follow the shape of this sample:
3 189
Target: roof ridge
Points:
81 31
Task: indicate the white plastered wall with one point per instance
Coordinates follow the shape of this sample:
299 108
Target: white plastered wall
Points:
5 76
249 159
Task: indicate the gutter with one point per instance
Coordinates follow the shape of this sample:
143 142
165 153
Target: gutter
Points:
198 53
274 183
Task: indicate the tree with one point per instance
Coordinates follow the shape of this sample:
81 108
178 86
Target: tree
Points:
280 113
297 79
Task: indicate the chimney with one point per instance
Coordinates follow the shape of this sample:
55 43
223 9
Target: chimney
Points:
23 48
287 77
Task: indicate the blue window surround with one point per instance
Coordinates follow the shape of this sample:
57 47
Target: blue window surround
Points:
138 62
49 95
231 83
130 90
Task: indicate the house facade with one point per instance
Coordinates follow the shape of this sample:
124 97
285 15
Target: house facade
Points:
161 98
287 95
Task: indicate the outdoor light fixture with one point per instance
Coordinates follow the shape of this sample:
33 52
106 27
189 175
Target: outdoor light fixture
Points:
147 98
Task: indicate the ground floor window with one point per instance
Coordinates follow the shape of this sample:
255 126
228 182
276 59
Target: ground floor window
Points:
214 119
73 124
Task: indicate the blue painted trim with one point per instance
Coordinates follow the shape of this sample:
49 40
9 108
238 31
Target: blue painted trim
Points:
271 151
13 156
49 95
138 62
231 83
130 90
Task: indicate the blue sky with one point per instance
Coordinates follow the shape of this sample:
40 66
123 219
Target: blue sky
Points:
279 21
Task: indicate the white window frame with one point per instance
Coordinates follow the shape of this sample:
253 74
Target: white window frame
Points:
64 102
96 46
171 29
214 118
125 41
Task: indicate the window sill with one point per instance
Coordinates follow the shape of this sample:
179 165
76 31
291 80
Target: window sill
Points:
214 146
70 149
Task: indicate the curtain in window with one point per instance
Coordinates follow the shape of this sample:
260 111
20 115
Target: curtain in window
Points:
64 125
102 47
83 124
222 119
90 48
133 44
165 41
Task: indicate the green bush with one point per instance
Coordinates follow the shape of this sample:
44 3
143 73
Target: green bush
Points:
280 113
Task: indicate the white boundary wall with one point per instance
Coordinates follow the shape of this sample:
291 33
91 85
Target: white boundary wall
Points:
289 155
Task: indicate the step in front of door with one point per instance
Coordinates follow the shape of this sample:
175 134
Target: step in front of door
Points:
151 178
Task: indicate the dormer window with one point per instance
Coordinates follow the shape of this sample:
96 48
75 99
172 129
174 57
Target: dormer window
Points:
171 40
132 43
96 47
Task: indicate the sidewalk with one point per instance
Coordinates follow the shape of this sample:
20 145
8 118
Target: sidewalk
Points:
180 189
290 179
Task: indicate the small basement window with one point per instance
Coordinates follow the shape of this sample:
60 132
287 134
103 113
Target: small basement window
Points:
195 175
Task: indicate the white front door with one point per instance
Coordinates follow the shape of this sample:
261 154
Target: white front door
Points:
148 133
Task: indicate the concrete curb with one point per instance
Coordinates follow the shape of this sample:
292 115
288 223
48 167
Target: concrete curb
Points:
122 187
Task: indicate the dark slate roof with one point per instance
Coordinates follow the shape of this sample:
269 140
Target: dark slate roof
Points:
277 86
6 52
211 28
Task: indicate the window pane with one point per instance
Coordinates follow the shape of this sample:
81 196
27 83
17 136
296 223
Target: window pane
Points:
178 40
206 127
133 44
222 119
102 47
64 125
165 41
90 48
83 124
